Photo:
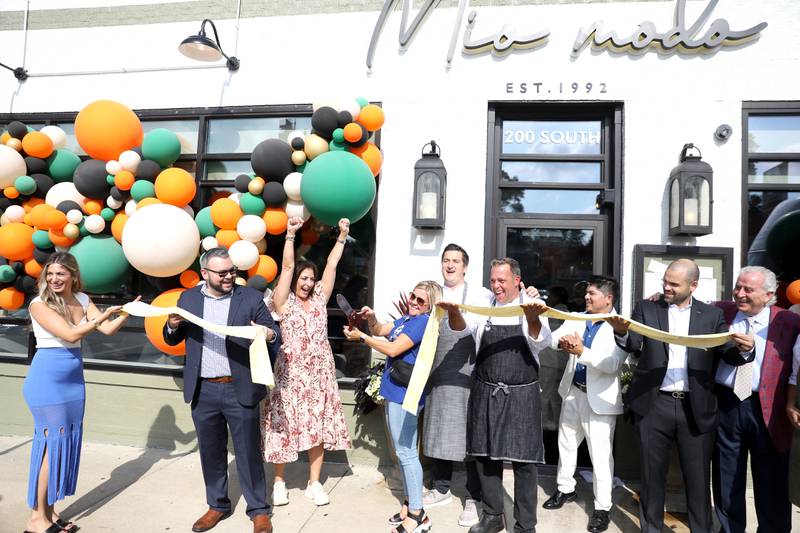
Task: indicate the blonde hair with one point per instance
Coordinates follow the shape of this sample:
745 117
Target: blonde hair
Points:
434 291
51 299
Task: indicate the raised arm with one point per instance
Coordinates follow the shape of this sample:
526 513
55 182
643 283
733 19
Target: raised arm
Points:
281 293
108 327
56 325
329 274
380 329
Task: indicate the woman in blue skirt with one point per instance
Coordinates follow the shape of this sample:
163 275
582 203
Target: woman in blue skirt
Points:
54 389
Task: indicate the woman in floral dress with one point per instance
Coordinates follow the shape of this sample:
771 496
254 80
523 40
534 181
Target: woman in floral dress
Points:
304 411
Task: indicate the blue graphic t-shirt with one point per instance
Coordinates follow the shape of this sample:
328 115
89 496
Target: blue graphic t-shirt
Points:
414 328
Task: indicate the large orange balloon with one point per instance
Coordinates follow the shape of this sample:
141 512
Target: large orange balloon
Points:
11 299
793 292
38 213
175 186
154 325
105 129
371 117
55 219
371 155
225 213
226 237
33 268
276 219
15 241
117 225
58 238
266 267
37 144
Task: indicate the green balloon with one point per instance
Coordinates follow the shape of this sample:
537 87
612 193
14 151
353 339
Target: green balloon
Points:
162 146
142 189
338 135
301 168
338 185
108 214
25 185
110 179
102 263
83 228
334 146
204 223
252 204
362 101
62 164
7 274
41 239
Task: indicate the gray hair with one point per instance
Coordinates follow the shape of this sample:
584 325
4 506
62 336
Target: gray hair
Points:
513 264
219 251
770 283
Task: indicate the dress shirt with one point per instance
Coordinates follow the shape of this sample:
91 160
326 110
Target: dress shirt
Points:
677 378
214 361
579 377
795 362
726 374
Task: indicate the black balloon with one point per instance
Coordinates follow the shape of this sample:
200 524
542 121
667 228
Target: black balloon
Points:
90 179
298 143
138 150
18 266
274 194
241 182
344 118
324 121
363 140
163 284
272 160
148 170
118 195
35 165
5 203
25 284
258 283
42 254
3 261
43 184
17 129
65 206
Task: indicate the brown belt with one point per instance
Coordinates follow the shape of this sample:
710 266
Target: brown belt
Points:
221 379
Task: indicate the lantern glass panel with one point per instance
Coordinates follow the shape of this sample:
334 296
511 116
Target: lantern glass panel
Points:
674 204
695 201
429 185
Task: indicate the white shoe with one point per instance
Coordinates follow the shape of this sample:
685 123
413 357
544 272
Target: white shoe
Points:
469 516
315 492
434 498
279 494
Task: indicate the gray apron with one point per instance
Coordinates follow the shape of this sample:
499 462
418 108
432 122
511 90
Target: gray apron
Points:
505 408
448 388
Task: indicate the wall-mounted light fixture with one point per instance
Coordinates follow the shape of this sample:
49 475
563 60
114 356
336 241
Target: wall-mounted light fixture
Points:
20 73
690 196
202 48
430 186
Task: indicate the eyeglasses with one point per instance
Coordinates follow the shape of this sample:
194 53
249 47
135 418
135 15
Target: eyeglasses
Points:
414 298
223 273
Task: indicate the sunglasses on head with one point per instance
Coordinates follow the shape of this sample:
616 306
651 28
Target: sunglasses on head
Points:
414 298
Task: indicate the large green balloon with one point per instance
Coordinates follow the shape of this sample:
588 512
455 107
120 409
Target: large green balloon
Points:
338 185
62 164
252 204
162 146
204 223
102 263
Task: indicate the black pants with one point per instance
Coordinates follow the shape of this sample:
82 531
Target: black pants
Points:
443 475
490 473
214 410
741 431
670 420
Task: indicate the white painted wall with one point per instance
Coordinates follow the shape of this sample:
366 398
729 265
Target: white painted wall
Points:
668 100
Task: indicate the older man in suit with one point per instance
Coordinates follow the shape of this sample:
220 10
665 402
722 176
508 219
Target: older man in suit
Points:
752 405
672 393
218 385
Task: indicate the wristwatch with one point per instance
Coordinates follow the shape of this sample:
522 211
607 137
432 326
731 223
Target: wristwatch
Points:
362 339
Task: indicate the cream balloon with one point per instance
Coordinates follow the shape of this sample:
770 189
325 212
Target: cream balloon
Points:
16 213
297 209
161 240
236 197
299 157
12 166
113 167
262 246
63 191
95 223
57 135
71 231
291 184
74 216
244 254
251 228
113 203
296 134
4 220
315 145
189 210
209 243
130 207
129 160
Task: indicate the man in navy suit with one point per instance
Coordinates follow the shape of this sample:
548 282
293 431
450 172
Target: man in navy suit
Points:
218 385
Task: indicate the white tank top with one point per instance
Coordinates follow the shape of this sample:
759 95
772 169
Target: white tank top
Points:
45 339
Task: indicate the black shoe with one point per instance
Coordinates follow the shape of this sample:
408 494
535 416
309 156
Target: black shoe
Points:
599 522
489 523
557 500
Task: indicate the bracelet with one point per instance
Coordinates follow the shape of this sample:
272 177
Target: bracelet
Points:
362 339
341 240
290 237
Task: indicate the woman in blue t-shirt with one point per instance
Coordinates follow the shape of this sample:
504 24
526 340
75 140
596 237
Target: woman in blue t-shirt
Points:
403 337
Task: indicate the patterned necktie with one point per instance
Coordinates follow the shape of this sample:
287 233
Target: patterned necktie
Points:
743 383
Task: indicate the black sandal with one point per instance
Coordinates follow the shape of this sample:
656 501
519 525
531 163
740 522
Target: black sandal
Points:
55 528
422 520
68 526
396 519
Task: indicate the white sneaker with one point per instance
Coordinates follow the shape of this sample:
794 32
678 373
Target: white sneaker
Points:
469 516
434 498
315 492
279 494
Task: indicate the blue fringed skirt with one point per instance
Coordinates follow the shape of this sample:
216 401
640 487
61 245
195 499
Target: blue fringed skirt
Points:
56 395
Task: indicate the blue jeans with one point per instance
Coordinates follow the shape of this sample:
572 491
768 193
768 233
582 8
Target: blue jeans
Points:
403 430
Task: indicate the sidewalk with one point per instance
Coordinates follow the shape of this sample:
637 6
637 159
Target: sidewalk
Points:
124 489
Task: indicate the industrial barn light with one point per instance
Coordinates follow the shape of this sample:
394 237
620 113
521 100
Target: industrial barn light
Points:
202 48
690 195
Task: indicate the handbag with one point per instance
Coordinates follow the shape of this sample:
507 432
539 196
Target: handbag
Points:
400 372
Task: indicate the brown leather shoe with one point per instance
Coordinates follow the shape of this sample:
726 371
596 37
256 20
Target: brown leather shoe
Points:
262 524
209 520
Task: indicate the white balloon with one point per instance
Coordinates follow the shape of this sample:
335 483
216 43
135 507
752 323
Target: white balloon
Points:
74 216
113 203
209 243
189 210
161 240
236 197
57 135
16 213
130 207
251 228
291 184
129 160
113 166
262 246
12 166
317 105
63 191
4 220
95 223
244 254
296 134
297 209
62 249
353 107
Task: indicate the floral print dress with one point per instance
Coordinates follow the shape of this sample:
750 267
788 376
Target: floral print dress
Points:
304 409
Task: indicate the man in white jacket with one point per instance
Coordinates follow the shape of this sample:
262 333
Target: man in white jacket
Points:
590 389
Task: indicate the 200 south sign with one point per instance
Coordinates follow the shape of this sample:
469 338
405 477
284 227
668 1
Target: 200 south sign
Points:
679 38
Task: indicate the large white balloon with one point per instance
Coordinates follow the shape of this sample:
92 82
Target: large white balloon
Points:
251 228
291 184
161 240
12 166
57 135
63 191
297 209
244 254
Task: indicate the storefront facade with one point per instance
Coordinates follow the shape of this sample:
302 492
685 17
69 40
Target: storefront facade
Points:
558 147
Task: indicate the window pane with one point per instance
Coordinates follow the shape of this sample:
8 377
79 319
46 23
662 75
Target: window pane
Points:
760 205
787 172
186 130
241 135
548 201
13 337
69 128
129 345
773 133
552 137
226 170
551 172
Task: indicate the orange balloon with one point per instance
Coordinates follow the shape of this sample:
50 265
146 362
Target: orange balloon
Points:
4 137
117 225
33 268
154 325
175 186
144 202
15 241
11 299
55 219
37 144
226 237
16 144
92 206
266 267
793 292
105 129
371 117
58 238
225 213
189 278
11 192
124 180
27 219
276 219
352 132
37 214
371 155
32 202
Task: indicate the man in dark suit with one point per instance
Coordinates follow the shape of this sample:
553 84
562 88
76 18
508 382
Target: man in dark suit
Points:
752 405
218 384
672 393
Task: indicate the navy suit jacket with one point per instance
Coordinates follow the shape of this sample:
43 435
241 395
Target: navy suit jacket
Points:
246 304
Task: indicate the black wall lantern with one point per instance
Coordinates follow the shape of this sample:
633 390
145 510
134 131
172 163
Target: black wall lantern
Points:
430 185
690 195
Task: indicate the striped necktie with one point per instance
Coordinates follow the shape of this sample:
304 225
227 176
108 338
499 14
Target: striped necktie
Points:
743 383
